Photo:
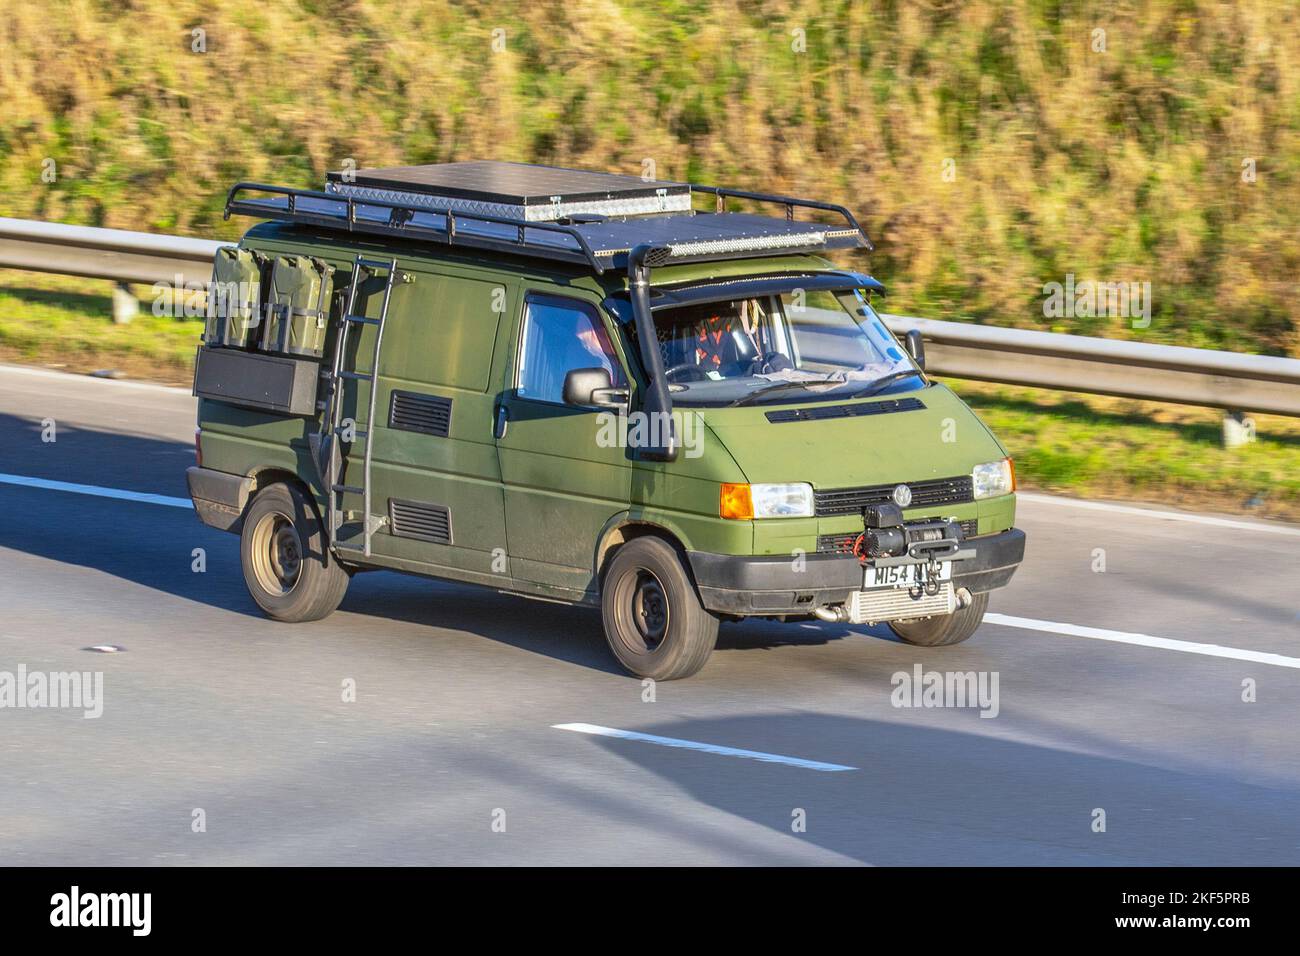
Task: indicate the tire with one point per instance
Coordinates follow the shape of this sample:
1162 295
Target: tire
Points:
288 569
654 621
947 629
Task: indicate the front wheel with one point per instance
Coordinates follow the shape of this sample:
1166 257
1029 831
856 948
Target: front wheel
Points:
945 629
287 566
654 621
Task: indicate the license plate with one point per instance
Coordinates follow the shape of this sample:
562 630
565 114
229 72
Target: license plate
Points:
905 575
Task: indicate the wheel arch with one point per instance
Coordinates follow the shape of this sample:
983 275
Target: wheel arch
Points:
624 528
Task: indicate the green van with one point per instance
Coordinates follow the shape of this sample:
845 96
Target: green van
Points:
578 386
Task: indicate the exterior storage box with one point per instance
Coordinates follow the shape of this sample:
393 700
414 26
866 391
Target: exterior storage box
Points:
269 383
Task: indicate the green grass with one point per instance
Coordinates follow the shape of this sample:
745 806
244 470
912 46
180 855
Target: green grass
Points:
66 322
1098 447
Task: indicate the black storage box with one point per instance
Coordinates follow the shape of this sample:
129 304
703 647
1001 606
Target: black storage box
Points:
272 383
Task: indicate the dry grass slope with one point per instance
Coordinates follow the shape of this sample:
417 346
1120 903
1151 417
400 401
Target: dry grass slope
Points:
1123 165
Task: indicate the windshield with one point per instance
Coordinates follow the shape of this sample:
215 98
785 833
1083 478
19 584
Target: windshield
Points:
777 348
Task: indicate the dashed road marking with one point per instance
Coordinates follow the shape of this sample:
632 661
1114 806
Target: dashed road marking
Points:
1143 640
95 490
703 748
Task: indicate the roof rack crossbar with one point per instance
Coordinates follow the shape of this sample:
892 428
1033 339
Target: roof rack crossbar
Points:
722 193
399 222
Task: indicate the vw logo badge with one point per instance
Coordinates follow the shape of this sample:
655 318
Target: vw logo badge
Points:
902 496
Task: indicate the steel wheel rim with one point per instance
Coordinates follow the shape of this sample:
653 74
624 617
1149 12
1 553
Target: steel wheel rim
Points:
276 553
643 608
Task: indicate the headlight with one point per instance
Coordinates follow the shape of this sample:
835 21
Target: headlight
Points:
743 502
993 478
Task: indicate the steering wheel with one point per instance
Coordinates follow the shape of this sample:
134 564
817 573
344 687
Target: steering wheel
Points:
686 372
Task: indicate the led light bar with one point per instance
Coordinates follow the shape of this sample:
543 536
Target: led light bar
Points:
706 247
513 190
558 208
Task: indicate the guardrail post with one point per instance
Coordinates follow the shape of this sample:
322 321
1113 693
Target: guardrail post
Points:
125 305
1238 429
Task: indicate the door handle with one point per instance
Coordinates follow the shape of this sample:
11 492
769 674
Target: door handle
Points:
503 420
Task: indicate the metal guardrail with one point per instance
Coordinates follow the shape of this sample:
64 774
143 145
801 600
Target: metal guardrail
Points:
1078 363
1163 373
104 253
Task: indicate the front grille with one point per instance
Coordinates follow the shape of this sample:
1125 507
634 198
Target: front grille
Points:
842 542
934 491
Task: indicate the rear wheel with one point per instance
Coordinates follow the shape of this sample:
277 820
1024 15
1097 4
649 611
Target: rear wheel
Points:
287 566
947 629
654 621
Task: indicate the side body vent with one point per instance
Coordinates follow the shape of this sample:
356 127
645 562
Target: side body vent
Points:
419 520
821 412
416 412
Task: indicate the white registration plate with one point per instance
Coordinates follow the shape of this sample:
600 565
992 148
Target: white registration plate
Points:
905 575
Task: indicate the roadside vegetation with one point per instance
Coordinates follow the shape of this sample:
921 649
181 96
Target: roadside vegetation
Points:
65 323
991 146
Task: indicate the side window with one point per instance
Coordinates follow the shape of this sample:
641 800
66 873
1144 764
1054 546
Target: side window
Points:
561 335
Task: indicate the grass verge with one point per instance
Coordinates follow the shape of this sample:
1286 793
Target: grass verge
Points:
65 322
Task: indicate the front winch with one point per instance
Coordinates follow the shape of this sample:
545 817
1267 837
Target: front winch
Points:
887 540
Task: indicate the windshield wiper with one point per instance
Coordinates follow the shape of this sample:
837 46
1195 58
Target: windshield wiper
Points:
780 387
879 385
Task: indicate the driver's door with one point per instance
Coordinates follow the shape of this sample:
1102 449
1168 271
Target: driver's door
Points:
563 479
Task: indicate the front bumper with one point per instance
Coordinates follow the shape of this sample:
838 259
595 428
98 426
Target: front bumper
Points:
776 584
219 498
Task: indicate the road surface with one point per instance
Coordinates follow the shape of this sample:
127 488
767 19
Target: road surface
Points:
225 737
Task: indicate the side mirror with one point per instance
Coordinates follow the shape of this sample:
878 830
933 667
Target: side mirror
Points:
915 347
591 386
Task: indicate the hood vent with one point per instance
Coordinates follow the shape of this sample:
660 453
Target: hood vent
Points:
818 413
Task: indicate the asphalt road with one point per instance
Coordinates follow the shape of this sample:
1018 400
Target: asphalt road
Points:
212 707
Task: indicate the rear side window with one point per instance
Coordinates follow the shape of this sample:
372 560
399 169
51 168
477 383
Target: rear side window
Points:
560 335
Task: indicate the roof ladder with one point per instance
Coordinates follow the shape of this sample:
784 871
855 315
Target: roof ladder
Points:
332 423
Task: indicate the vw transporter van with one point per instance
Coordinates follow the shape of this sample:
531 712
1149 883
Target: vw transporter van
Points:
585 387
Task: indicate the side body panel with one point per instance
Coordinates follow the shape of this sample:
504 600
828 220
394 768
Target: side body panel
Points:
563 482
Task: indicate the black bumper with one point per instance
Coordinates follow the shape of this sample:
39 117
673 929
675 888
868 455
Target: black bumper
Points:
775 584
219 498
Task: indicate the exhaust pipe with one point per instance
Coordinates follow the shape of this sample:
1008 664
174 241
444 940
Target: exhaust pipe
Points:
964 597
831 615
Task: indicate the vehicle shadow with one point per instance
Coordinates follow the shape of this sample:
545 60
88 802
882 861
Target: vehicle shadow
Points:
153 546
90 457
927 789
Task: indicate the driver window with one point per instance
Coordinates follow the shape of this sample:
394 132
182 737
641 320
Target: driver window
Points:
560 335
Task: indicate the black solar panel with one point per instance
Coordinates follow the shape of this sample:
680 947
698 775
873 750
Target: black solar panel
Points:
520 184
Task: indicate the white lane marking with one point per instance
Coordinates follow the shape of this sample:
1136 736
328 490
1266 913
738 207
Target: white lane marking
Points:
98 492
1164 515
704 748
77 376
1144 640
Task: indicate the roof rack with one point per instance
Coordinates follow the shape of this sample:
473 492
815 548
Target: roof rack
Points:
598 241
